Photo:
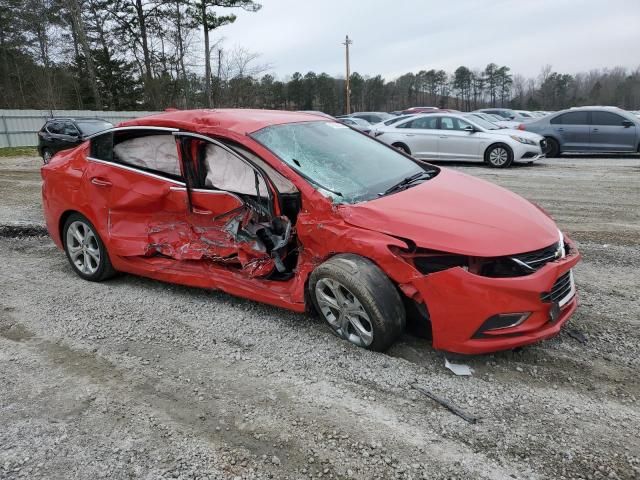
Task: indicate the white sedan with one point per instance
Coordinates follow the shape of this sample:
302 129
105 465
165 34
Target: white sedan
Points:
462 137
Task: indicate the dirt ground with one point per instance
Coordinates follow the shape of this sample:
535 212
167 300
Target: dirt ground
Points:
135 378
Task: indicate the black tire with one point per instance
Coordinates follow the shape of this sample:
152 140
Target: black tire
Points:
359 279
402 147
494 160
46 155
103 269
553 148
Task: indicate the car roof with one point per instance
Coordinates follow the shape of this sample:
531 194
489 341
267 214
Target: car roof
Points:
237 120
594 107
374 113
77 119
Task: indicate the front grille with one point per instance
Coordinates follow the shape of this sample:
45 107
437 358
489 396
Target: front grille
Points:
538 258
560 289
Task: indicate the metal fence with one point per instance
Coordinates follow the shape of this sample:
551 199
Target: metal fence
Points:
18 128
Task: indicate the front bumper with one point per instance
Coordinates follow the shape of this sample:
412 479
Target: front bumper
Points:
460 302
530 156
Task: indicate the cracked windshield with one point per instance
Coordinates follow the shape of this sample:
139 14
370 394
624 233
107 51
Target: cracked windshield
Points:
344 165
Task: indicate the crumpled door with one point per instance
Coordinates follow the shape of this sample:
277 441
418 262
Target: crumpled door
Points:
230 210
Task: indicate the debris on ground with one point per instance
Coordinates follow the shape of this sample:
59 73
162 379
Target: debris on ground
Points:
446 403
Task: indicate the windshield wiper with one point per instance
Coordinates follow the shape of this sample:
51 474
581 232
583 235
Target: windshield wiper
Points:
405 182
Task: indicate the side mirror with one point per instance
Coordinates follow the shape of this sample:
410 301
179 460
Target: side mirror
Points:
512 117
627 123
469 129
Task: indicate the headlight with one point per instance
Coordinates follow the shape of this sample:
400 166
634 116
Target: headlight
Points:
526 141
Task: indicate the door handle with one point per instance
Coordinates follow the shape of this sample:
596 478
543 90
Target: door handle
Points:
560 129
594 129
201 211
100 182
444 136
409 134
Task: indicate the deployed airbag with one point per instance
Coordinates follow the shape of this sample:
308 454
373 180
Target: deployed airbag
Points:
225 171
155 152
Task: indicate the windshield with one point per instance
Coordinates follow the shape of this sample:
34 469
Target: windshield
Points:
89 128
481 122
360 121
344 165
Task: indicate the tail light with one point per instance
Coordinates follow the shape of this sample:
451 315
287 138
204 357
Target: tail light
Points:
521 127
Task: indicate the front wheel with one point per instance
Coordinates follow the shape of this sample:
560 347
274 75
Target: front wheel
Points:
358 301
553 148
499 156
46 155
85 251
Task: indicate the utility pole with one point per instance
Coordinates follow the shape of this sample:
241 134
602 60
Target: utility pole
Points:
346 43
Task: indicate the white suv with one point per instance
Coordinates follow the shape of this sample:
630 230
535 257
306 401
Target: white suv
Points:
461 137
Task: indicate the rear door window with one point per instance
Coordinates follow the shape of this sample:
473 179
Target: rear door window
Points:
152 151
572 118
423 123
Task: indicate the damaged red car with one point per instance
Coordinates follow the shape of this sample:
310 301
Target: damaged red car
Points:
305 213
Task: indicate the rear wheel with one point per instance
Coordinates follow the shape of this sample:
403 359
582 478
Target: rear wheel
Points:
402 147
85 251
498 156
553 148
358 301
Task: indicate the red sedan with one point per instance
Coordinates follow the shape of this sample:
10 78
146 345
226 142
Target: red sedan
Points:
302 212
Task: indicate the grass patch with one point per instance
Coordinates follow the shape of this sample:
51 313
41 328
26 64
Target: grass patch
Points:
18 152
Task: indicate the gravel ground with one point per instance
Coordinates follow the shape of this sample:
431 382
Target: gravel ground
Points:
135 378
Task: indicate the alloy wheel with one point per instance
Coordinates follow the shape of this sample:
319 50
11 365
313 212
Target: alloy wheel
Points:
498 156
82 245
344 312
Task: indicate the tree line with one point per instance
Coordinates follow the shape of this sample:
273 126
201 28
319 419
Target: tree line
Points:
154 54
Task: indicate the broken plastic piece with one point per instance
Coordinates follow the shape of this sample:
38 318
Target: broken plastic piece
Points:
458 368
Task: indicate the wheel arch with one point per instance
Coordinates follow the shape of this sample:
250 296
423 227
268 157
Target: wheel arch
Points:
418 320
404 145
497 143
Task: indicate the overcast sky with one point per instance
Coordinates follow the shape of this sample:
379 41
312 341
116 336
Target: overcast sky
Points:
392 37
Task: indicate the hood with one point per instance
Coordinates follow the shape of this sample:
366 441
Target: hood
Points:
457 213
520 133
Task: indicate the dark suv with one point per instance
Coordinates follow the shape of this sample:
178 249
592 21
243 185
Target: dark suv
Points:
61 133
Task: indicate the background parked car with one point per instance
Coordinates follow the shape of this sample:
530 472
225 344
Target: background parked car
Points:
461 137
496 119
391 121
508 114
588 129
420 110
357 123
61 133
372 117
